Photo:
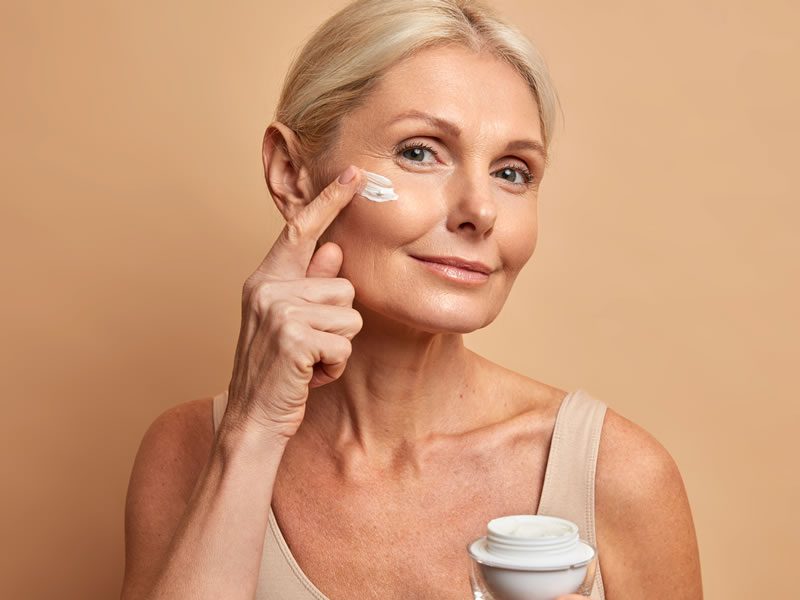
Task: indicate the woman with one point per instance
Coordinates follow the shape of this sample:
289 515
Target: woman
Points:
315 481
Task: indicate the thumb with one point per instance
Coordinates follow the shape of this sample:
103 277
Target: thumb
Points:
326 262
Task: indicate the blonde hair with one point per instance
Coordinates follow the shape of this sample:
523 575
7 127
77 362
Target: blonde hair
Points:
345 57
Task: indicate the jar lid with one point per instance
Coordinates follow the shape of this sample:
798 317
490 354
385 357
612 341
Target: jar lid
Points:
531 543
579 557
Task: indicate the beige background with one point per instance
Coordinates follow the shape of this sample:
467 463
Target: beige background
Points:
134 206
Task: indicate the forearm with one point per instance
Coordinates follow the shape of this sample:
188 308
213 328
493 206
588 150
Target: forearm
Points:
216 550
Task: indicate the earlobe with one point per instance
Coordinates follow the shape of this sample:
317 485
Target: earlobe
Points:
287 180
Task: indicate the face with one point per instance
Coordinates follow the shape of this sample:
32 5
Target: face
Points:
467 178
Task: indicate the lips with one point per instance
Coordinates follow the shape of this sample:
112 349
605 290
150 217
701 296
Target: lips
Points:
456 261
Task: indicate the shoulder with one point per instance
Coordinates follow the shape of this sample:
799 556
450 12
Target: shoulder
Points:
177 442
172 453
630 460
645 532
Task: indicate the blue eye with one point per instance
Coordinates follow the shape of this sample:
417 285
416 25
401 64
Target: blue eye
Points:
527 176
415 152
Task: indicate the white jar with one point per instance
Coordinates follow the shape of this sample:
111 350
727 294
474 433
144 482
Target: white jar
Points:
531 557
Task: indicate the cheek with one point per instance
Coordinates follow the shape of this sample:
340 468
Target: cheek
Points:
376 236
387 225
521 236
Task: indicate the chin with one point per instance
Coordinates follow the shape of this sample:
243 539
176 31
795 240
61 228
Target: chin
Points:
459 315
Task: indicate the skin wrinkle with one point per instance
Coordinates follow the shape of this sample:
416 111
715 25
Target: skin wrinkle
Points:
411 387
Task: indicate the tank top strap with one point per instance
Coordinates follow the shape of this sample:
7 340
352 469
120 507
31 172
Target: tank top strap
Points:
569 483
219 403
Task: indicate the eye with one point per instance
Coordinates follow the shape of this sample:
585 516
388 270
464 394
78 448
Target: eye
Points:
415 151
513 171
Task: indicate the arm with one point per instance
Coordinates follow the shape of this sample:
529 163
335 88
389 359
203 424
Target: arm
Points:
647 542
198 505
197 508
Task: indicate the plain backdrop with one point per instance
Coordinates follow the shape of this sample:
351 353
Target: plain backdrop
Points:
665 280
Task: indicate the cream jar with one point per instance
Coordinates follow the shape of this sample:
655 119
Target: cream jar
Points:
531 557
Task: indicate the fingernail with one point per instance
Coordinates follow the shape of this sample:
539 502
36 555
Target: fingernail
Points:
348 175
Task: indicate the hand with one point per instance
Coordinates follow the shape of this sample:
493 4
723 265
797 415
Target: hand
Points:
297 320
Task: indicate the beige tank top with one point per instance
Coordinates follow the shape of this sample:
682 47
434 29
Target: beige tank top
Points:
568 492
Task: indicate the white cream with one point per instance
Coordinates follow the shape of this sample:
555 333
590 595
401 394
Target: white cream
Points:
527 529
378 188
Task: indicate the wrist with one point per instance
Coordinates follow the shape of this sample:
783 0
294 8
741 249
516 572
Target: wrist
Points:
248 441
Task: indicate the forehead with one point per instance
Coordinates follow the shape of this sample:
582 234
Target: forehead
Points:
482 94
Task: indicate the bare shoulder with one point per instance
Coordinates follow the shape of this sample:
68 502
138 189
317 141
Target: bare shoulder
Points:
630 459
172 453
645 531
178 441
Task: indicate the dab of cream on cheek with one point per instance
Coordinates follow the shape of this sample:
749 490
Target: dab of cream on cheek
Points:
378 188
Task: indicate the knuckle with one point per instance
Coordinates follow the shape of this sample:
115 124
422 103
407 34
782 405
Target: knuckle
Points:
249 284
259 296
358 319
355 325
347 288
291 334
345 348
294 231
280 312
328 194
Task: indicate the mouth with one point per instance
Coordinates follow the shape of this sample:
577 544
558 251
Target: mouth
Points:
457 262
466 272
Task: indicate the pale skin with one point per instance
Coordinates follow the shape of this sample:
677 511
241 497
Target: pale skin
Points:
404 429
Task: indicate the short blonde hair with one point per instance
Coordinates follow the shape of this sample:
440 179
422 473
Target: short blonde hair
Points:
345 57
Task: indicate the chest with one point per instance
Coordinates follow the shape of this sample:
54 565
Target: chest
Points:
399 541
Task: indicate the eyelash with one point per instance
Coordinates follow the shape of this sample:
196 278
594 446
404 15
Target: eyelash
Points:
527 176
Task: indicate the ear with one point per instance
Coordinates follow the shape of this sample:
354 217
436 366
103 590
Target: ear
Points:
287 178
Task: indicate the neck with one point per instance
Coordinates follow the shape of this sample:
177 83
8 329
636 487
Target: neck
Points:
401 391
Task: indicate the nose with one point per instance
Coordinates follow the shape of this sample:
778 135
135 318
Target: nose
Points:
472 208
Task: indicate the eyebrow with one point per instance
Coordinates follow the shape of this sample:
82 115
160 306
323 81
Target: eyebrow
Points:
454 130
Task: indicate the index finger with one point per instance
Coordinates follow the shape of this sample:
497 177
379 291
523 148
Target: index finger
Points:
291 254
